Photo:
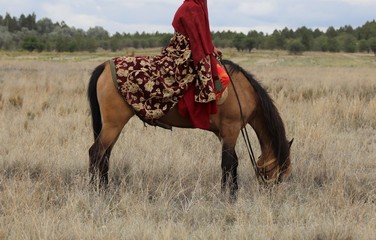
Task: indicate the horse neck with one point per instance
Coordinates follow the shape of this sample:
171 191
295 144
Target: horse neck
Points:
264 137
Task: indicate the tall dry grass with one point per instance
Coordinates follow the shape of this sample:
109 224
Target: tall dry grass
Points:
165 185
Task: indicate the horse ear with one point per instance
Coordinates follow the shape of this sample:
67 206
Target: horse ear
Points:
290 143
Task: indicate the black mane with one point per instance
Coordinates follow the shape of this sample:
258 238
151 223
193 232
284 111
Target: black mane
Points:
273 120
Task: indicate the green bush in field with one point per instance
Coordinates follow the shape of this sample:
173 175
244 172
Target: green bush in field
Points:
296 47
320 44
349 44
363 46
372 45
333 45
31 43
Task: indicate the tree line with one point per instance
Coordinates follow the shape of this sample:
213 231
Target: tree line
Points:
28 33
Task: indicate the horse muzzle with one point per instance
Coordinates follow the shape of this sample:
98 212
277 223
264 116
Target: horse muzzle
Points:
271 173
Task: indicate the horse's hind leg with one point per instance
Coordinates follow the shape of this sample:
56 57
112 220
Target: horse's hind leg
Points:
105 162
99 154
115 113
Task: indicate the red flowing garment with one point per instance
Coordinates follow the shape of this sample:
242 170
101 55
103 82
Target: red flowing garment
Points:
192 20
182 74
153 85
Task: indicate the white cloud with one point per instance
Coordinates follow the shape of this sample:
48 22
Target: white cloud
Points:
132 28
257 8
356 2
64 12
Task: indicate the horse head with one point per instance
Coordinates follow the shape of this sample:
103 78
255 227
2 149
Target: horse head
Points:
271 170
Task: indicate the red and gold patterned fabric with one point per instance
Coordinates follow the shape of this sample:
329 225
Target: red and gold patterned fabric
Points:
152 85
192 20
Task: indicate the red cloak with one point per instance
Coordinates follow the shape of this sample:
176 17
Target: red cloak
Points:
192 20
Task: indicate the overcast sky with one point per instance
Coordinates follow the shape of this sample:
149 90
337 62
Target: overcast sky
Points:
130 16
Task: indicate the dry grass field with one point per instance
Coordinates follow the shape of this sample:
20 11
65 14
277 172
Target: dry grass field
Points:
166 184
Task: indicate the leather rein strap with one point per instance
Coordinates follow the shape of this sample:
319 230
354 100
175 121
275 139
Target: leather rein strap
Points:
245 135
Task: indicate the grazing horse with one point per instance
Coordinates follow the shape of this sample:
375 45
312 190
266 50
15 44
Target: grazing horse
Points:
247 103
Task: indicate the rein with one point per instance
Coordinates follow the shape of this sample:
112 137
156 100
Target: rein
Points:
245 135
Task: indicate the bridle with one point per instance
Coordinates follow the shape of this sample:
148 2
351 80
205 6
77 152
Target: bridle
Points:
260 175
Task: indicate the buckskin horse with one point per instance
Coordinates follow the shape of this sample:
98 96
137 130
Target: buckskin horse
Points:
247 103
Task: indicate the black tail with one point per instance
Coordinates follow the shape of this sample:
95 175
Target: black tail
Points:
93 100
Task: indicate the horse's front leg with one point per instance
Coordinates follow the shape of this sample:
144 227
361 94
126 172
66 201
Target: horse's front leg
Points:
229 171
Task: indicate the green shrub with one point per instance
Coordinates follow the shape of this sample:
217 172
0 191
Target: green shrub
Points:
296 47
372 45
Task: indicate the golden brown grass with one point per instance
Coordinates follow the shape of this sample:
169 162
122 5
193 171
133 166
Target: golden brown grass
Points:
165 185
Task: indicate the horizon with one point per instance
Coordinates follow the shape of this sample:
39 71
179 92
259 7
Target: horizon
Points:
234 29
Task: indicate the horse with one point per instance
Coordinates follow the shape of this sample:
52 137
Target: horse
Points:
247 103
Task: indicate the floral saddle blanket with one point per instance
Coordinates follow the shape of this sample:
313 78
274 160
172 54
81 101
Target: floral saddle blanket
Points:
152 85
